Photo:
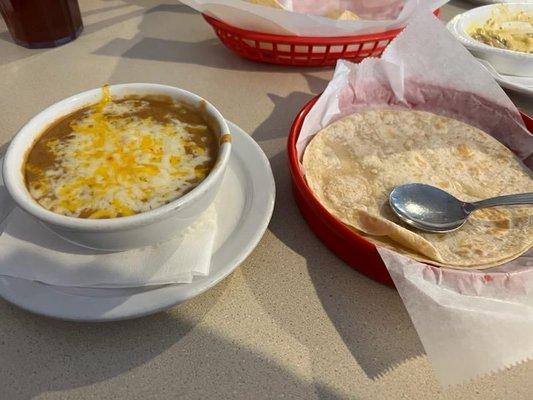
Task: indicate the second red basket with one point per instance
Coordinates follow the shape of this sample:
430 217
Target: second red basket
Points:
300 50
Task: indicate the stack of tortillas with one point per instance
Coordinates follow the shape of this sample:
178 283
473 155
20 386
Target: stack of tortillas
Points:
333 14
353 164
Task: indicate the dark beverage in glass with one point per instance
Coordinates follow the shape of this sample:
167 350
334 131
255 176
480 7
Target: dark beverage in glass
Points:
42 23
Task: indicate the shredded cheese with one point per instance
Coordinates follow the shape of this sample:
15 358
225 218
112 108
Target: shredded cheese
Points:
115 163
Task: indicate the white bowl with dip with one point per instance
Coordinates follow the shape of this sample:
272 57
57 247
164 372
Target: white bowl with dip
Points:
503 60
127 232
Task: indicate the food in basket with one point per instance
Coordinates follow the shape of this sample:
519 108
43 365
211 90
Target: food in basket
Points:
266 3
340 14
353 164
120 157
506 30
345 15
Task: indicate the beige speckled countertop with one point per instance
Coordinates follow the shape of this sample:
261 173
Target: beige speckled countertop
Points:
292 322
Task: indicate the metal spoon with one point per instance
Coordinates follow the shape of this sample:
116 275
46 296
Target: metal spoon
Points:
433 210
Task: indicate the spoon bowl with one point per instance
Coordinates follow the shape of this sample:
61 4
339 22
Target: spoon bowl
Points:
421 205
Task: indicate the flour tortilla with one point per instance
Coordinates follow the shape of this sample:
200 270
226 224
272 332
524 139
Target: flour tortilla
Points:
353 164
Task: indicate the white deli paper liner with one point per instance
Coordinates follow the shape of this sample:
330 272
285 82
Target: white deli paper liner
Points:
32 252
470 322
302 17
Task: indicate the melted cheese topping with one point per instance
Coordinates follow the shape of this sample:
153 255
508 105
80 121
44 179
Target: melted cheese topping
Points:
116 163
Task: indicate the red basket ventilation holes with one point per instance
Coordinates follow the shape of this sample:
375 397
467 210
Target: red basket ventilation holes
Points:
301 50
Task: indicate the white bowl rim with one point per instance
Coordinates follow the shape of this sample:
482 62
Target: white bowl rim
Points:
15 157
460 20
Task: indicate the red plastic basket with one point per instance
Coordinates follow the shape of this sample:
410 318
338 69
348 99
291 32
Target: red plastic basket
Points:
301 50
357 252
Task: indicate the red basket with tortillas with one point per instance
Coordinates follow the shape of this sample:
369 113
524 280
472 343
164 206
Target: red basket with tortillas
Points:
344 241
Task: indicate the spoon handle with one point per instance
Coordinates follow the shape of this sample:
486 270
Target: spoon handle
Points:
508 200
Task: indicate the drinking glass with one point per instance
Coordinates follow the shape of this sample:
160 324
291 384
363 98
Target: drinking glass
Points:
42 23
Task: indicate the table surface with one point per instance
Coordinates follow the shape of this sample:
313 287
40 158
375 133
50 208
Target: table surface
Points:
292 322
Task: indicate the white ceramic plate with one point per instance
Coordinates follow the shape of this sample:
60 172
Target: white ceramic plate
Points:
504 61
523 85
244 203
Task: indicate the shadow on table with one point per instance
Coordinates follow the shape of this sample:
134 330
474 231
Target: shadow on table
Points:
209 52
105 23
3 148
462 4
278 123
369 317
6 37
43 355
149 4
102 23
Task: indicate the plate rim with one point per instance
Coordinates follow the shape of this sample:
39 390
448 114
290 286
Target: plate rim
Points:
178 292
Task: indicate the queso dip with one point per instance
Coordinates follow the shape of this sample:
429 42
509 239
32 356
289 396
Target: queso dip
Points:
506 30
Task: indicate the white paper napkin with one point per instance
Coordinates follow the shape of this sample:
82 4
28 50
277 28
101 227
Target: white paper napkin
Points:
470 322
30 251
